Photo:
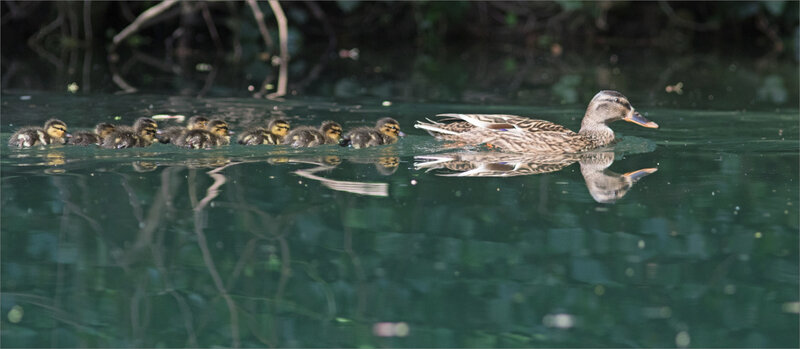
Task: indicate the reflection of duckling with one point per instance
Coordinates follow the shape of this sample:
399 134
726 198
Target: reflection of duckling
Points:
142 134
329 132
171 133
386 131
216 135
101 131
274 133
144 166
54 132
387 165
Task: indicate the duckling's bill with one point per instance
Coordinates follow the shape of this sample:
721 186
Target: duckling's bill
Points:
640 120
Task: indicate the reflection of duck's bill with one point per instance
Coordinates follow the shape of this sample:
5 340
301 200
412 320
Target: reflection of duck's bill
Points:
640 120
639 174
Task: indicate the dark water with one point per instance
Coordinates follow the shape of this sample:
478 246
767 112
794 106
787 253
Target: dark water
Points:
333 247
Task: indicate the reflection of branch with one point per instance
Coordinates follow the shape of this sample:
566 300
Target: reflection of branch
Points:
362 188
212 192
283 36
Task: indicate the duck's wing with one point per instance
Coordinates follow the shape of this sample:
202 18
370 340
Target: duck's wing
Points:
505 122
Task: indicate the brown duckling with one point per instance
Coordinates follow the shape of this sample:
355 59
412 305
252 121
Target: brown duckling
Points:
330 132
101 131
54 132
216 134
169 134
142 134
274 133
386 131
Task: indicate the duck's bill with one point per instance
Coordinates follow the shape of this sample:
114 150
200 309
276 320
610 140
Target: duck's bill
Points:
640 120
639 174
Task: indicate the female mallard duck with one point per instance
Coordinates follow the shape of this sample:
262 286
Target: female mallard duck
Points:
54 132
523 135
329 132
101 131
216 134
274 133
142 134
386 131
171 133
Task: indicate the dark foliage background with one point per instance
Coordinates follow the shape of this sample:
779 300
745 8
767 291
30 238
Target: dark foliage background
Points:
47 45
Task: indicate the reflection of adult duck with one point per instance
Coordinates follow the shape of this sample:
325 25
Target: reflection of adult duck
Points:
604 185
523 135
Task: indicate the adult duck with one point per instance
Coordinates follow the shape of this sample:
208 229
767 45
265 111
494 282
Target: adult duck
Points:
519 134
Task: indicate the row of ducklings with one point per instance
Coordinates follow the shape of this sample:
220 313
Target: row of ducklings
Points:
202 133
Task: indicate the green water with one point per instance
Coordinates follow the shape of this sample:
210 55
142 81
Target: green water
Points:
334 247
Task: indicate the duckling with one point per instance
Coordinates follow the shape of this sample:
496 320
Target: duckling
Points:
54 132
386 131
142 134
517 134
101 131
274 133
216 134
169 134
329 132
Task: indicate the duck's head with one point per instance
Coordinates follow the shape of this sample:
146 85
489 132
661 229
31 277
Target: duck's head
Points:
389 127
279 127
104 129
55 128
219 128
197 122
146 128
608 106
332 130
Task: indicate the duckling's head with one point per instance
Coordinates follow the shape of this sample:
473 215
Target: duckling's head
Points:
146 128
332 130
219 128
279 127
197 122
104 129
55 128
389 127
608 106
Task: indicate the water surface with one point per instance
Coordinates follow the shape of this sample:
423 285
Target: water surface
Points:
334 247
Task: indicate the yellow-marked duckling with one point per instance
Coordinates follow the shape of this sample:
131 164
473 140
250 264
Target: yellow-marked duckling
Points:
54 132
169 134
329 132
142 134
523 135
274 133
216 134
386 131
101 131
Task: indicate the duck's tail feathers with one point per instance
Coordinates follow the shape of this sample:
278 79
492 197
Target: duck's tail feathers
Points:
434 128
